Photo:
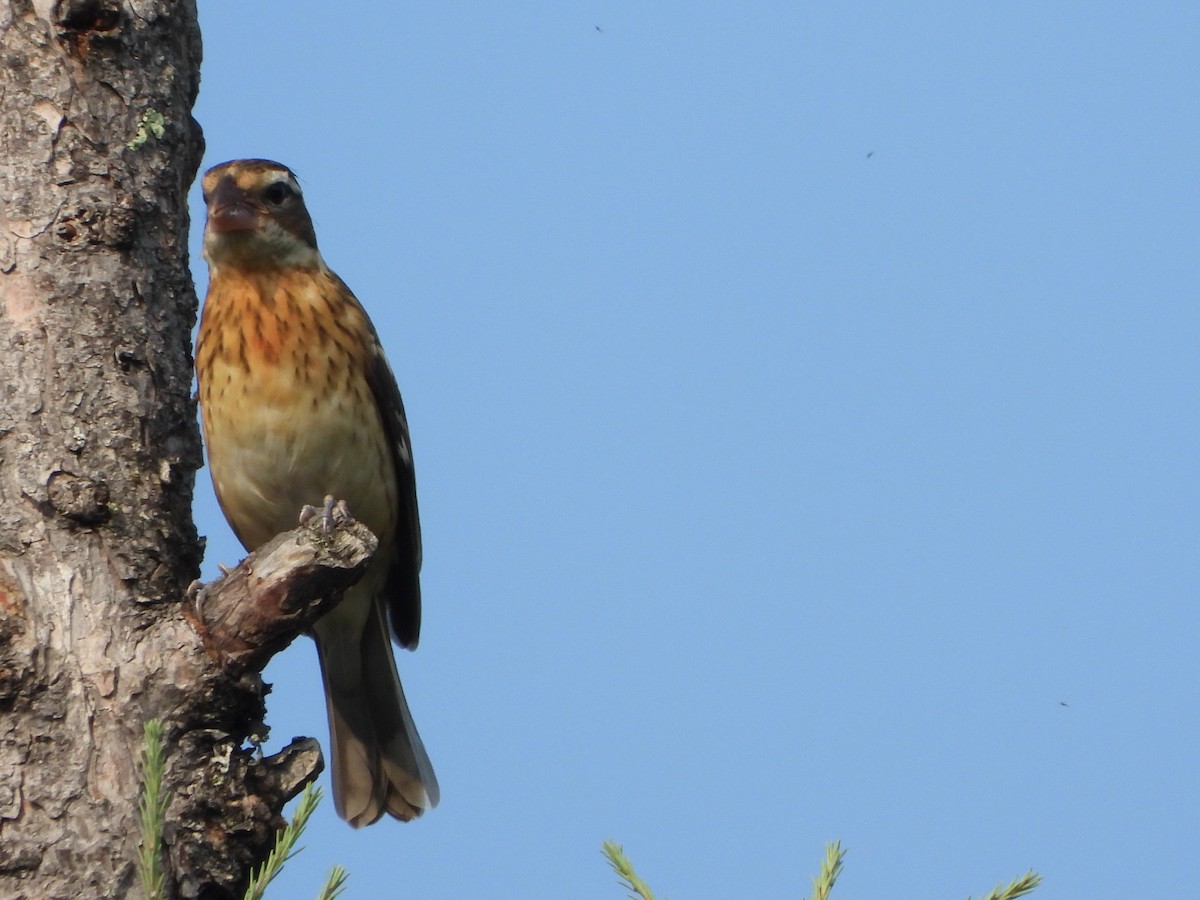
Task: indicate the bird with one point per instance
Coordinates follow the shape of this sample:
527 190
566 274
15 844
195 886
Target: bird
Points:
298 405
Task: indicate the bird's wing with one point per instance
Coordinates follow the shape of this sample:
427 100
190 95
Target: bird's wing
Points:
403 583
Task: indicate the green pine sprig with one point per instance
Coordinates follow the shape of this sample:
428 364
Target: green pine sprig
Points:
285 843
615 854
1018 887
152 811
831 868
334 884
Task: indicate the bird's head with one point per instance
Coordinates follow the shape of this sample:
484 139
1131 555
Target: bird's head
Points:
257 217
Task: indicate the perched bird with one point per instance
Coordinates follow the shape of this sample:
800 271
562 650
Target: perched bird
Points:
298 404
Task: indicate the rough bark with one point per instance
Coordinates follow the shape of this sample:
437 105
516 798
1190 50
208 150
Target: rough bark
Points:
225 793
257 609
98 451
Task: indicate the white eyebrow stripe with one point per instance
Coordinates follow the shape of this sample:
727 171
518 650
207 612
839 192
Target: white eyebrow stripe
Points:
287 178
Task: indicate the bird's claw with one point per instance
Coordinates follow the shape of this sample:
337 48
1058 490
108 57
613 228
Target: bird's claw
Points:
195 596
333 513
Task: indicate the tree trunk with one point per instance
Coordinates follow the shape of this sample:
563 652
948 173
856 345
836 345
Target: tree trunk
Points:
98 452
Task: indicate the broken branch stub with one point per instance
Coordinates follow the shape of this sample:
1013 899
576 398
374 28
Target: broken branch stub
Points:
279 590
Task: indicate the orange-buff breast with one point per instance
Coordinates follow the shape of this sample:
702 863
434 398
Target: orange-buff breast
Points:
287 409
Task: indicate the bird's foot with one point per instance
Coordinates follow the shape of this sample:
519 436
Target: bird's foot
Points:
195 596
333 513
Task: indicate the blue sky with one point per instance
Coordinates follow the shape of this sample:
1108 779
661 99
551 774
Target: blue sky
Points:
804 406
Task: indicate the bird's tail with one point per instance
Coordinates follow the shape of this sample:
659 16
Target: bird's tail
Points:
378 761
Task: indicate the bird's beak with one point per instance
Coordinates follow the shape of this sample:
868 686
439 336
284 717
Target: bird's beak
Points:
231 209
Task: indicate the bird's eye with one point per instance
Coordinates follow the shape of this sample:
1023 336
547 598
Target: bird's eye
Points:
277 193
